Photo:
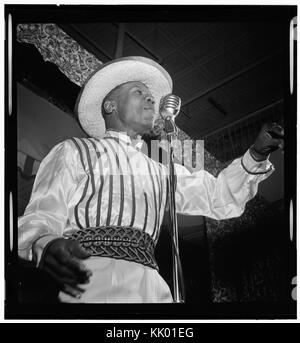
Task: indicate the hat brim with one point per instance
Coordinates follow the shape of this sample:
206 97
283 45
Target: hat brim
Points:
111 75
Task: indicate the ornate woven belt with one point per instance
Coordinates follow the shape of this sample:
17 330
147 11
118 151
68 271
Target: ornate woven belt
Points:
120 242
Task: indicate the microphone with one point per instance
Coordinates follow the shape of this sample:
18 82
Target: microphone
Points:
169 106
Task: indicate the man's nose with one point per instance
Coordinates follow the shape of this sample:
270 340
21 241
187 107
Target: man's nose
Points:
149 98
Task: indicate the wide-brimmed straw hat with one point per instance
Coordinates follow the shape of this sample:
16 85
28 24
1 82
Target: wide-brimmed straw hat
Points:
111 75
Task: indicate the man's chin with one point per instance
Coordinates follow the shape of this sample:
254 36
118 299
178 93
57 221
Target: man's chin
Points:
152 129
154 133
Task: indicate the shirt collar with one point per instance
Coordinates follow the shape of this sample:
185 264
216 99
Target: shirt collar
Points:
124 137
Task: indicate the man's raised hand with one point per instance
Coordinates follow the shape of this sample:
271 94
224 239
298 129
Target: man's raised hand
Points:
269 139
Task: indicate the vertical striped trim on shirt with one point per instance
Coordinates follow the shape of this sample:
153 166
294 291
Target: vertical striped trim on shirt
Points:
74 140
154 196
159 178
146 212
91 171
110 191
99 197
121 183
154 166
161 185
132 178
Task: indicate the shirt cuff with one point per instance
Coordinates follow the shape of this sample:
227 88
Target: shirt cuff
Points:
254 167
39 246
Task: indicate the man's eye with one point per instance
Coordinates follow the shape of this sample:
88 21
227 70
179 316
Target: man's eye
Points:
139 91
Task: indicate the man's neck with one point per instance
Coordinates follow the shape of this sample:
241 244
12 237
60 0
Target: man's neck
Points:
132 134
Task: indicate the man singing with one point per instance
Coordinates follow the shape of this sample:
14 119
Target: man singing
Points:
97 203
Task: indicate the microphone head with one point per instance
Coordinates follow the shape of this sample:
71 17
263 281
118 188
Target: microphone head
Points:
169 106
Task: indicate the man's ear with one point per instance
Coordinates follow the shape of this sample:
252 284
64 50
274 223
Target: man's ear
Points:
109 106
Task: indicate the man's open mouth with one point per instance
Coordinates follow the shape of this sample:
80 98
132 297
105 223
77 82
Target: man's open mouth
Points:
149 108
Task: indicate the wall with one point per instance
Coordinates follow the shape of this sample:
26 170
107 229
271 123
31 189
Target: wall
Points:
41 125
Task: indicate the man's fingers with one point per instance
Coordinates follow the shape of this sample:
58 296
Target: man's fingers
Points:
64 258
274 129
60 279
77 251
274 142
276 132
64 272
78 254
75 292
281 145
270 138
76 265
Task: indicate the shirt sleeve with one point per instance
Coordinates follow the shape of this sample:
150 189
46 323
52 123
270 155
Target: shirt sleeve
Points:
224 197
46 215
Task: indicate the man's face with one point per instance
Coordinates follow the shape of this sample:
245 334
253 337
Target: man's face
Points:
135 107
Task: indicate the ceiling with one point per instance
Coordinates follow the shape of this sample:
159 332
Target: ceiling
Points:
229 75
224 72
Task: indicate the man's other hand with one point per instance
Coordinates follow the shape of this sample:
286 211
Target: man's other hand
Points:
62 260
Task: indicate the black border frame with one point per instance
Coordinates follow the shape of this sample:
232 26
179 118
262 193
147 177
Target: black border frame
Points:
143 13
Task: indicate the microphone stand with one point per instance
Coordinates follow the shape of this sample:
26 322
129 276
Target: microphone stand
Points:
178 282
